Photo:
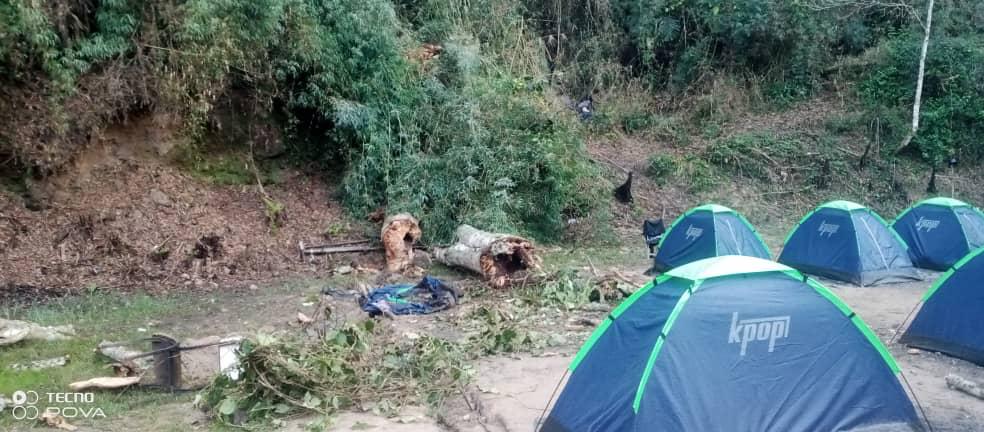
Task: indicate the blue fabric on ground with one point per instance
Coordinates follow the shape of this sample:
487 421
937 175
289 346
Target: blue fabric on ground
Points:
427 296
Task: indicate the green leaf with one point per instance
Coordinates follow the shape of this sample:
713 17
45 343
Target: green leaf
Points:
227 407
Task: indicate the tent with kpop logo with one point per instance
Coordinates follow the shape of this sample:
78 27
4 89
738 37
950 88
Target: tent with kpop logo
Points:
732 343
849 242
708 231
940 231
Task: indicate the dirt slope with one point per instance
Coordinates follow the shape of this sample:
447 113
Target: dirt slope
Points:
121 218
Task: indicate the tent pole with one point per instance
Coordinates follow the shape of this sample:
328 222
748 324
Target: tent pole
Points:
539 420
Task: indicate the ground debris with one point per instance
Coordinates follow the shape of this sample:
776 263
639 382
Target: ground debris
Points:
367 365
964 385
595 307
302 318
13 331
55 420
42 364
585 321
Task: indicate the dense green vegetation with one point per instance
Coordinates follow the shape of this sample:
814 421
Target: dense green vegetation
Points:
952 118
472 131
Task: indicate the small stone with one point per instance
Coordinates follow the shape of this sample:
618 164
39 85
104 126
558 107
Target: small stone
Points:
160 198
556 339
345 269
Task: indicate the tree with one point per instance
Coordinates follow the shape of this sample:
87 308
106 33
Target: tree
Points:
855 5
919 80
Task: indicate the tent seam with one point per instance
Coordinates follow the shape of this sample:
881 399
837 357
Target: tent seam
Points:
878 245
660 340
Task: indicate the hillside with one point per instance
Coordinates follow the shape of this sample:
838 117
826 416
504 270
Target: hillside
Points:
456 113
161 161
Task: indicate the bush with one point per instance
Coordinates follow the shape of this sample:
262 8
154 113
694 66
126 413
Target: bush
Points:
637 121
464 137
698 174
952 113
769 157
678 40
660 167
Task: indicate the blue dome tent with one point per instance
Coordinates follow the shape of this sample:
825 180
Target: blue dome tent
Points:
951 319
940 231
732 344
708 231
849 242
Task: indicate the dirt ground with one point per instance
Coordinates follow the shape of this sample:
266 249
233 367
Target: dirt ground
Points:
509 393
513 391
123 218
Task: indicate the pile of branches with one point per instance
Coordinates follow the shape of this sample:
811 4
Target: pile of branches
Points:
361 365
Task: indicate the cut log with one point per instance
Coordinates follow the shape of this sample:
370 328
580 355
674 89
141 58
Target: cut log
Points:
500 259
399 234
964 385
104 383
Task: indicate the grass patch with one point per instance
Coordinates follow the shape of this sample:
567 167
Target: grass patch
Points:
602 256
226 168
660 167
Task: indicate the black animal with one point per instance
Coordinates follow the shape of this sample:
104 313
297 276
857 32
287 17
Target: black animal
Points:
623 193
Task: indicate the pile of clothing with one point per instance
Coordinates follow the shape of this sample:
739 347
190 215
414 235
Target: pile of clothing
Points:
427 296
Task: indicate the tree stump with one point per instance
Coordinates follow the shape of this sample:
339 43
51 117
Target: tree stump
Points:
499 258
399 234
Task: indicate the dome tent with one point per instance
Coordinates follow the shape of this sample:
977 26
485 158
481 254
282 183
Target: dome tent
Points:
752 341
950 318
849 242
940 231
708 231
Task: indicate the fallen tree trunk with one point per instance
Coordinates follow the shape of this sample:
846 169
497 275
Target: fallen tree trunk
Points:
399 234
499 258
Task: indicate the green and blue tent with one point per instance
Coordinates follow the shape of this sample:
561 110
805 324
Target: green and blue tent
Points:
732 343
940 231
708 231
847 241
